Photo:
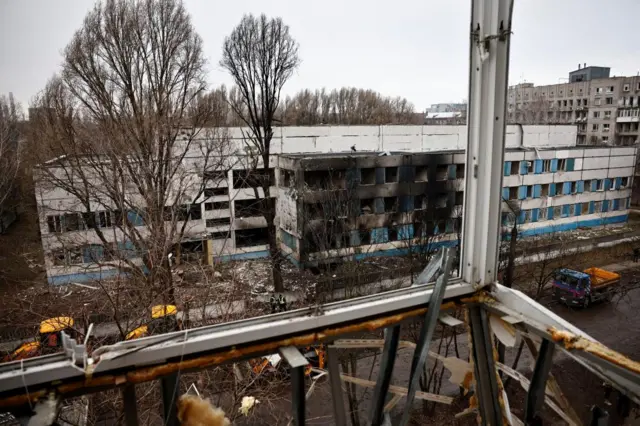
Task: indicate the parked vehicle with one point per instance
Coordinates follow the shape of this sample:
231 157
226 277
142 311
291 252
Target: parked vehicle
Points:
577 288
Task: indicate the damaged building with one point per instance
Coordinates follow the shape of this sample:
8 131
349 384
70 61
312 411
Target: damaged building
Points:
401 189
361 204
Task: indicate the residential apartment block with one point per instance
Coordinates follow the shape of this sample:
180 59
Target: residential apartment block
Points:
414 189
605 109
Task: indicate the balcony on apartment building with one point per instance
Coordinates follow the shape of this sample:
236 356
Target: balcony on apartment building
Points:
627 129
628 115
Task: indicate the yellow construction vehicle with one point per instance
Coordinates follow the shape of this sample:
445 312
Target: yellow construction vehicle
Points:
49 339
163 320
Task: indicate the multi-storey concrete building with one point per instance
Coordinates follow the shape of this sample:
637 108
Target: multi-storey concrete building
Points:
224 223
605 109
366 204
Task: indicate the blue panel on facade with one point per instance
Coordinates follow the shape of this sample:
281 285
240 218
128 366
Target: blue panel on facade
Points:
92 253
505 193
574 225
607 184
537 167
580 186
452 171
618 183
522 192
554 165
594 185
537 191
134 218
566 188
534 215
524 168
578 209
379 235
605 206
565 210
380 179
592 207
616 204
571 164
507 168
521 217
405 232
552 189
550 213
405 203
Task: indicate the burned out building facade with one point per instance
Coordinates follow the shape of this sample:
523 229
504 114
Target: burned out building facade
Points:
361 204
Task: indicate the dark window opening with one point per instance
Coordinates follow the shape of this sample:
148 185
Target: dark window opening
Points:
459 198
325 179
219 235
189 212
368 176
420 202
254 178
252 237
441 201
222 221
422 174
513 192
313 211
390 204
212 192
459 171
391 174
367 205
545 190
248 208
365 237
54 223
72 222
442 172
287 177
216 205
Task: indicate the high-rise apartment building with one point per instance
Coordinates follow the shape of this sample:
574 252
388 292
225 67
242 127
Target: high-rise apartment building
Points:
605 109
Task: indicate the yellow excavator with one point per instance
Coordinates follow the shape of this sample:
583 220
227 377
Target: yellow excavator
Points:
163 320
49 339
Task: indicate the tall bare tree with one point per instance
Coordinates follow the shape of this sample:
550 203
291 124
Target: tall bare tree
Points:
261 55
122 130
10 116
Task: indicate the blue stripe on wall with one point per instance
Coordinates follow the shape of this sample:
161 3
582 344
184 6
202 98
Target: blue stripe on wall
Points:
83 277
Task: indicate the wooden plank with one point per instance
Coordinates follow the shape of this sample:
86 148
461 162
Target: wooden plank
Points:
398 390
447 319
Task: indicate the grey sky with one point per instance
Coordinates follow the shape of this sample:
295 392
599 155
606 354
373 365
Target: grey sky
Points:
412 48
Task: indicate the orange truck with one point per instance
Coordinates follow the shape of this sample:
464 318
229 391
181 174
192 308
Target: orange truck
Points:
577 288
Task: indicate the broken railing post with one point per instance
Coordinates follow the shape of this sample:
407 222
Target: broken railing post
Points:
130 405
536 394
297 362
391 339
170 385
484 367
339 413
426 333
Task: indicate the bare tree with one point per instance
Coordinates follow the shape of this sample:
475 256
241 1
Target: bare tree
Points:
347 105
122 138
261 55
10 116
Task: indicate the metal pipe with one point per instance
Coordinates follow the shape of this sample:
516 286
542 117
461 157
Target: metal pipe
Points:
389 351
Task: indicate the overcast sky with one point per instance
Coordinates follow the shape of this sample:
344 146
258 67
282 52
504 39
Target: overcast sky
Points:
412 48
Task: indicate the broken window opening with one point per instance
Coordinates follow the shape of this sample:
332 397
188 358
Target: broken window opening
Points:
213 192
391 174
368 176
248 208
422 174
252 237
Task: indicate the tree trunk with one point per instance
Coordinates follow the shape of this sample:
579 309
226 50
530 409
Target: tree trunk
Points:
274 254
